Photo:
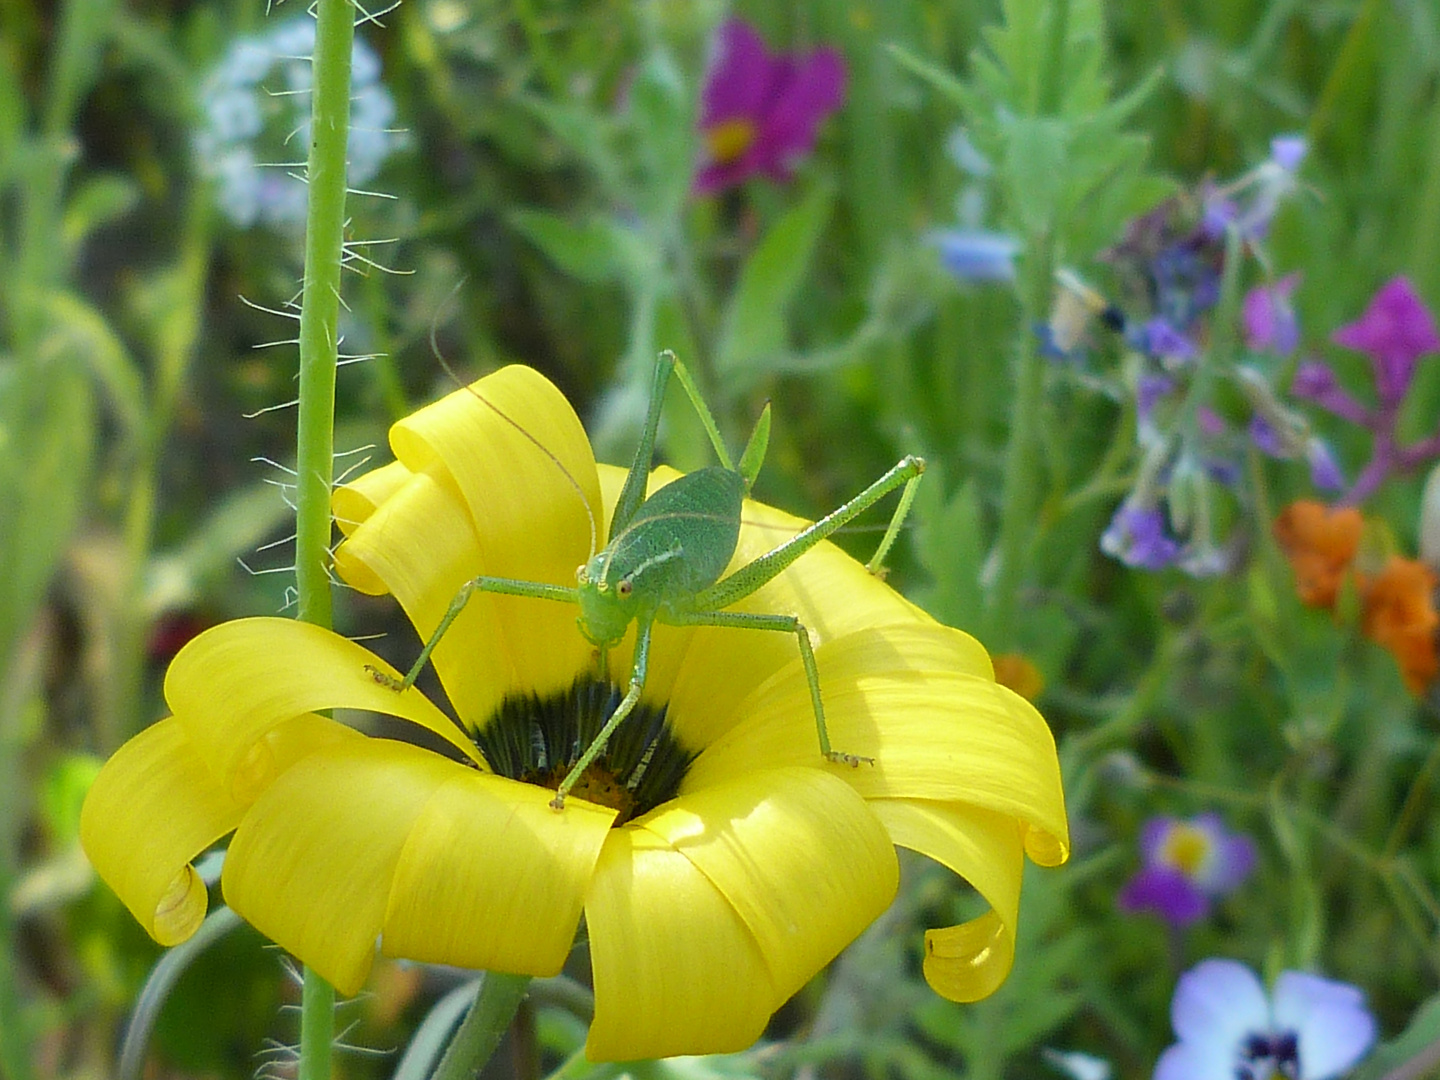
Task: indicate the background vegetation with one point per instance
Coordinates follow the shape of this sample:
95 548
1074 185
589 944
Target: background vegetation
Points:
537 207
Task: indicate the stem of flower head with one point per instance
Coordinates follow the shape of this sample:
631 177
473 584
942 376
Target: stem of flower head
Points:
480 1033
319 346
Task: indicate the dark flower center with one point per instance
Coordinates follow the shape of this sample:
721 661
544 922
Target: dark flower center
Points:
1263 1056
536 740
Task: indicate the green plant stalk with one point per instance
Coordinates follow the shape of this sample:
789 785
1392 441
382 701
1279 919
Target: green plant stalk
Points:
1018 495
480 1033
315 437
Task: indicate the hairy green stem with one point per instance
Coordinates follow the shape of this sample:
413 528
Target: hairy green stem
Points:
319 344
320 307
483 1027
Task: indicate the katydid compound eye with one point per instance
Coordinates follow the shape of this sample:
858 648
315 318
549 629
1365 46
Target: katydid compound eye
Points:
625 587
580 575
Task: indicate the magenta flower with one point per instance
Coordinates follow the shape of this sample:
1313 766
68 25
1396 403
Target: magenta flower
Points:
1309 1028
759 113
1188 864
1269 317
1395 331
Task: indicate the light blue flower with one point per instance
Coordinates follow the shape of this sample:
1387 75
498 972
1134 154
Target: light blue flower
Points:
1310 1028
256 110
976 254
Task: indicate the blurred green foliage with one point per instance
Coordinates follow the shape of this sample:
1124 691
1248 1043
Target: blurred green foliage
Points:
541 212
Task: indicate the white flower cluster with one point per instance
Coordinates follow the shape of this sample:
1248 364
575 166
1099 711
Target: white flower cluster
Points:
256 126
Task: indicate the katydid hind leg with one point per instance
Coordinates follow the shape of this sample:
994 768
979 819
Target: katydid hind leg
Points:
785 624
769 566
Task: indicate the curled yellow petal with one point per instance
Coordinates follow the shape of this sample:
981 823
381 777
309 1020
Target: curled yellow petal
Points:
310 866
152 809
518 455
493 877
969 961
798 855
676 971
353 502
421 547
238 681
901 695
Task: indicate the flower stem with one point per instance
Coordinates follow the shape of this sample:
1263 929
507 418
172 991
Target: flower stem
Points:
480 1033
319 344
320 307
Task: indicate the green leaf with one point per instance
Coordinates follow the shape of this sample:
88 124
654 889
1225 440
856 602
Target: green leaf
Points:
79 327
664 118
97 201
46 436
753 329
1416 1049
587 251
951 546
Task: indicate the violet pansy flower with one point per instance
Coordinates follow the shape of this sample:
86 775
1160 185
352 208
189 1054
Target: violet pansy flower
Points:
1309 1028
1188 864
760 112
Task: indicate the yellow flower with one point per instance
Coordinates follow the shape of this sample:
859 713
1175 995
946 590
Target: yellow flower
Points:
718 859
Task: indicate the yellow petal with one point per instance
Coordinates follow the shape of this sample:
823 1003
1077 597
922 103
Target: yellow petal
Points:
153 808
798 855
311 864
238 681
421 547
492 877
676 971
969 961
355 501
901 695
708 913
517 453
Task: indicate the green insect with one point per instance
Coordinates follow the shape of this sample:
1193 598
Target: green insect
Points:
665 559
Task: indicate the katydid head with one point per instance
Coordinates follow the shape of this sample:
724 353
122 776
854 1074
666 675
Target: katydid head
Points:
608 601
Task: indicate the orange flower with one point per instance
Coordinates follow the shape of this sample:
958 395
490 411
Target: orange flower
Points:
1320 543
1399 614
1017 672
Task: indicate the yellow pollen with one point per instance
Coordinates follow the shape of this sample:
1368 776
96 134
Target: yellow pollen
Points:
1187 849
729 139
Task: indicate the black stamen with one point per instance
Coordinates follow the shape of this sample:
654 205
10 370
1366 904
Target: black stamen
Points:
536 740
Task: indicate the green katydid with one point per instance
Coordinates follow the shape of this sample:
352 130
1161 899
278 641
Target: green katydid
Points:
667 553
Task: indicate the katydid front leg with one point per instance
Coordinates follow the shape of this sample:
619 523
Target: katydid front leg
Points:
505 586
626 706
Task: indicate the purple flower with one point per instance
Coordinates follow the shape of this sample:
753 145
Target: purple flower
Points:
1325 471
1161 340
1310 1028
977 254
759 113
1395 331
1269 317
1268 185
1187 865
1137 537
